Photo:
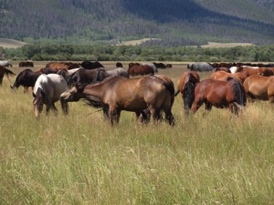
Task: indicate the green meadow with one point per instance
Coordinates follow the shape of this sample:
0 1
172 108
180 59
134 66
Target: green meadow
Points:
207 158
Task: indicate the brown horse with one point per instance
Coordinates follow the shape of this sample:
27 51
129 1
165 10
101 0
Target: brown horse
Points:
245 72
259 87
26 78
220 94
131 94
186 86
140 70
54 67
5 71
223 75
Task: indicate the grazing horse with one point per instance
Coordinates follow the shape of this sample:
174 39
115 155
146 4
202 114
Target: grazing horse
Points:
131 94
220 94
259 87
91 65
140 70
223 75
116 72
26 64
202 67
26 78
82 77
47 90
186 86
5 71
5 63
54 67
67 74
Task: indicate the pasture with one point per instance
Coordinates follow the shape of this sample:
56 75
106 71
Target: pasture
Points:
207 158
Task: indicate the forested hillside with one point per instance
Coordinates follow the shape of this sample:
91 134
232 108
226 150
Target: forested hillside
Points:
173 22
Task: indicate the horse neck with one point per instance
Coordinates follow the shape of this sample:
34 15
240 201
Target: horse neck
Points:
96 91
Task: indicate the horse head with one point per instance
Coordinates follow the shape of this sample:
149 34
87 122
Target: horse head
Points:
38 102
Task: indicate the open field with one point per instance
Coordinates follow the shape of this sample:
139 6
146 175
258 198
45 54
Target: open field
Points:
208 158
10 43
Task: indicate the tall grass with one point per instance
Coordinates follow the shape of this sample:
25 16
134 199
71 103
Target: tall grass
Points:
208 158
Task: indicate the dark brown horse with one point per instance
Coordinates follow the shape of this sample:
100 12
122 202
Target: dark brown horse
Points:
259 87
4 71
220 94
136 69
186 86
131 94
26 78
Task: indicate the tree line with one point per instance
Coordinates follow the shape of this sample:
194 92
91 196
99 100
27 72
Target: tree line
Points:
105 52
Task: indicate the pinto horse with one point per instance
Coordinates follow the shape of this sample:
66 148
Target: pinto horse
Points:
47 90
259 87
4 71
220 94
5 63
186 86
26 78
131 94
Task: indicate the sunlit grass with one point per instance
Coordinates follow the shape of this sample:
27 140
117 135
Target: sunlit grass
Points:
208 158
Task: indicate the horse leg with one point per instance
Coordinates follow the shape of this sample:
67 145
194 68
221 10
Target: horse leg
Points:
233 108
64 106
196 105
114 114
155 114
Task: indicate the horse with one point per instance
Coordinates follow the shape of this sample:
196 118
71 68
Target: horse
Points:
5 63
259 87
202 67
4 71
26 64
82 77
91 65
54 67
116 72
220 94
26 78
47 90
223 75
186 86
130 94
140 70
67 74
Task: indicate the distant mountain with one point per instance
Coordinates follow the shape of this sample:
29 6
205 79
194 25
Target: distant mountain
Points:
174 22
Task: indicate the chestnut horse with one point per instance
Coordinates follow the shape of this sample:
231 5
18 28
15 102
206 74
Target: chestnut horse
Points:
220 94
223 75
5 71
186 86
47 90
54 67
136 69
131 94
259 87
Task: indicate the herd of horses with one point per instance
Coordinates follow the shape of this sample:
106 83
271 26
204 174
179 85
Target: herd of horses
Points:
142 90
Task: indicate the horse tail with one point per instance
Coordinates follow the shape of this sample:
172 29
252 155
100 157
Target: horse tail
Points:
176 93
239 92
188 92
8 73
170 87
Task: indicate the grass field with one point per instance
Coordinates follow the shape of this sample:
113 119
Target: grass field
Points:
208 158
